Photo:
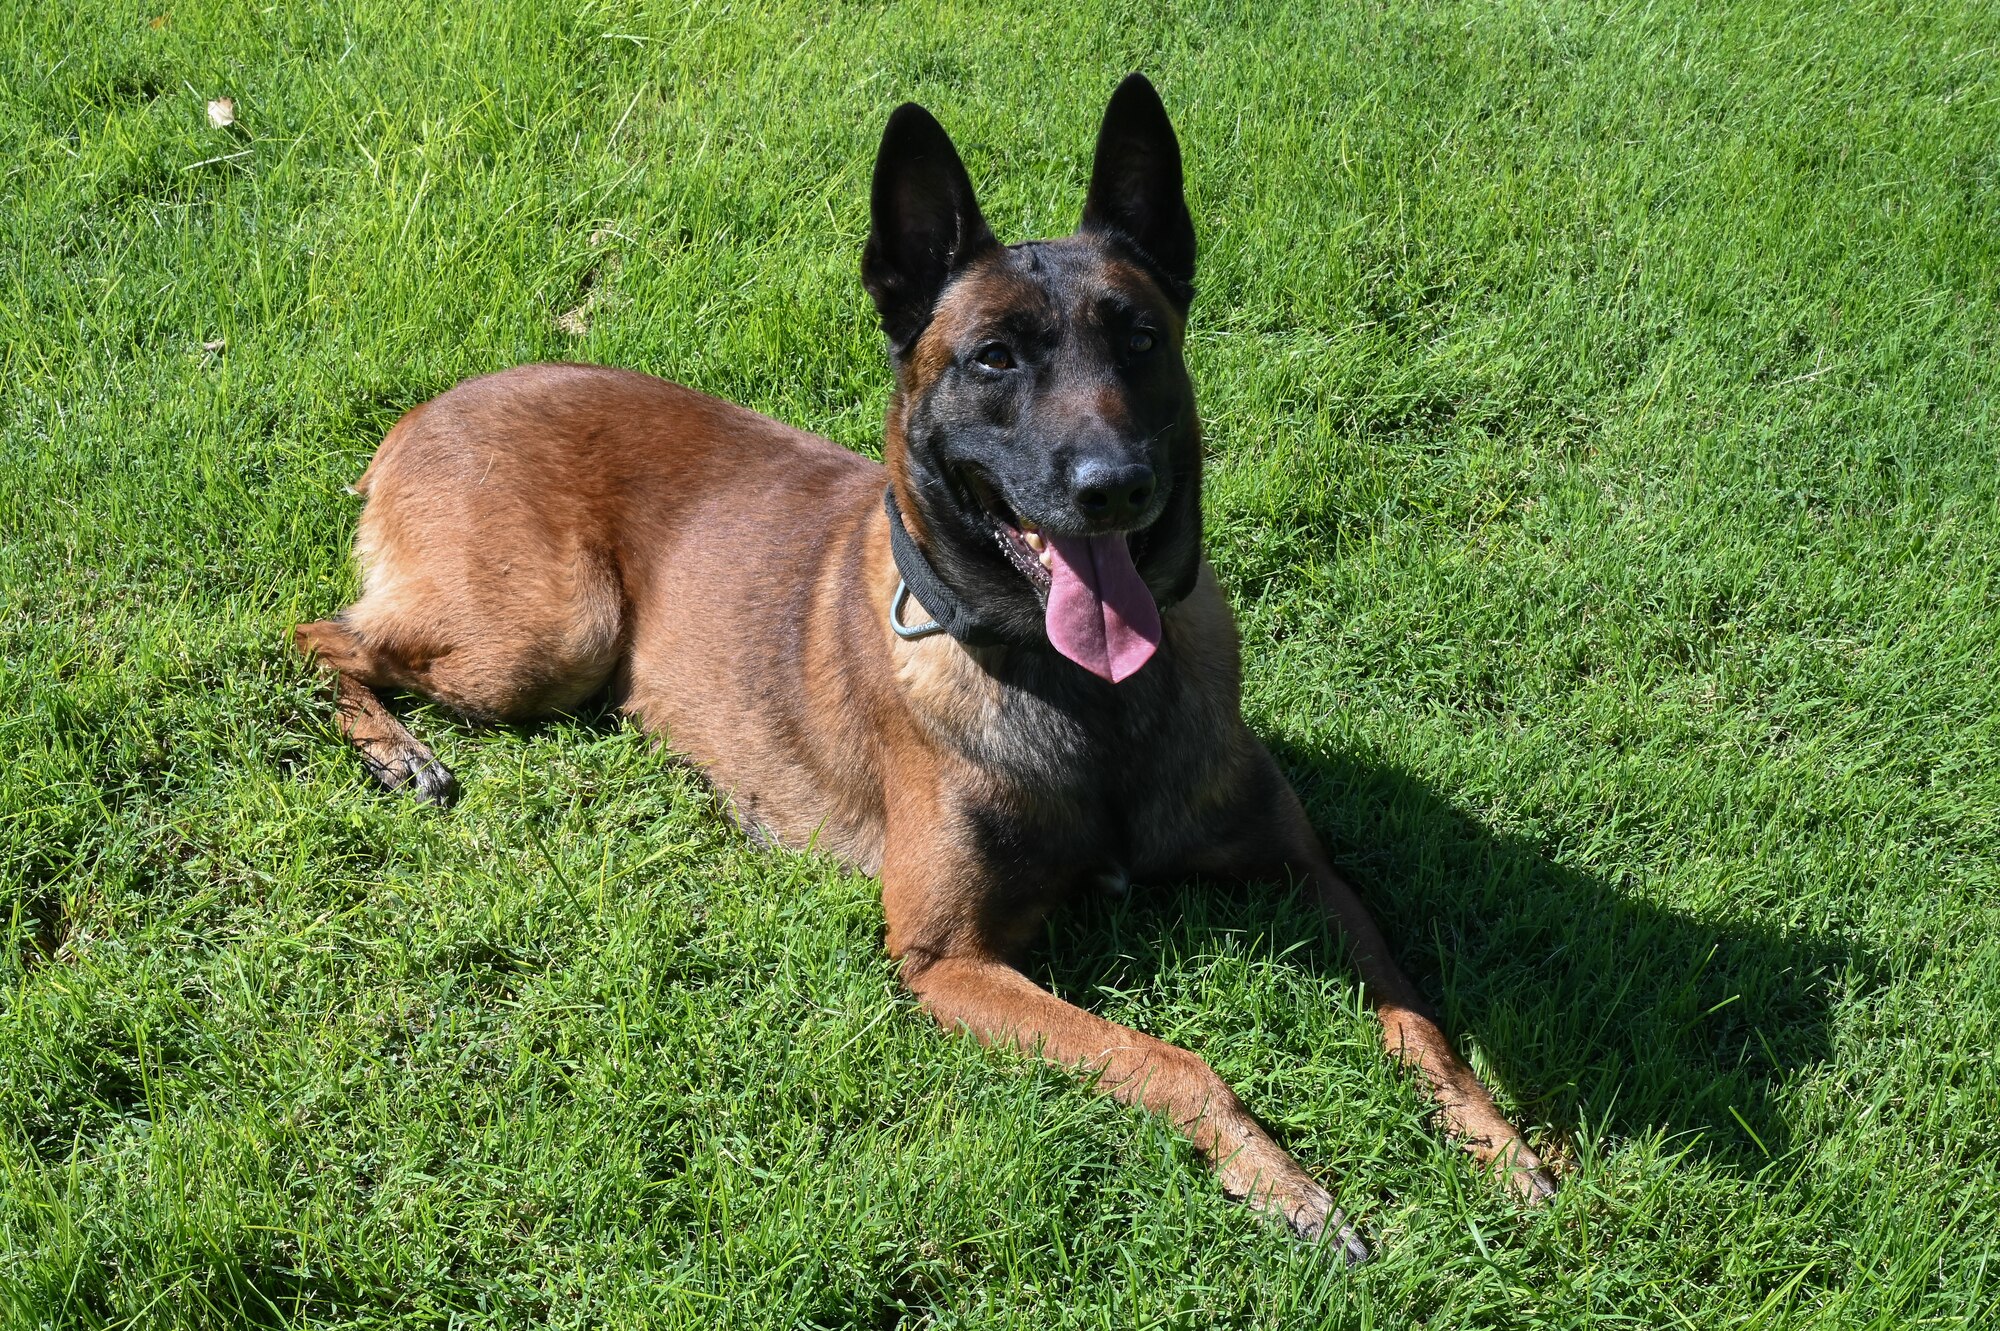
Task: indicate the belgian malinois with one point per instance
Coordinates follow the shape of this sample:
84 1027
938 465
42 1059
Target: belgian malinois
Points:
994 669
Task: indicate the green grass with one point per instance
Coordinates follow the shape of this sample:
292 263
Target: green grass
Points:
1603 461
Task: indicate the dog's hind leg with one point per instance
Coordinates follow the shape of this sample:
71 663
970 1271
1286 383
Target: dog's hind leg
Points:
391 754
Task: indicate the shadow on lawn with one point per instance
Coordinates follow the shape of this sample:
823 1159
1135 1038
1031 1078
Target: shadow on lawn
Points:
1597 1011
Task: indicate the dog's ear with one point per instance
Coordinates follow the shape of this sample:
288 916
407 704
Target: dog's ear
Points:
925 223
1135 186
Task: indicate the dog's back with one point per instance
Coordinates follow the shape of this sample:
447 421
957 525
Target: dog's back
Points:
518 529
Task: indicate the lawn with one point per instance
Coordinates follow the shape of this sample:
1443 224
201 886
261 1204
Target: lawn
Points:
1600 406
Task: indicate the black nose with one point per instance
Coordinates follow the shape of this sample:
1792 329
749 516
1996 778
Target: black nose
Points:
1112 493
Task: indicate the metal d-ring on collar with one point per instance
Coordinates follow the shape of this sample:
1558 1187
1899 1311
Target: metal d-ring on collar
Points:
908 631
950 613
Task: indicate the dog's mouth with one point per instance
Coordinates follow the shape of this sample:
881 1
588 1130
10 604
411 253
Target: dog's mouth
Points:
1097 610
1019 538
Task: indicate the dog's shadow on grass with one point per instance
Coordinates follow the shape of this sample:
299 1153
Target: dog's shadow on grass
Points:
1598 1012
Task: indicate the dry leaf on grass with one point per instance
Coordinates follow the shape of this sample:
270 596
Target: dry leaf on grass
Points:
575 322
222 113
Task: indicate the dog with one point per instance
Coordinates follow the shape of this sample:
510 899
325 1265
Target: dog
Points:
993 670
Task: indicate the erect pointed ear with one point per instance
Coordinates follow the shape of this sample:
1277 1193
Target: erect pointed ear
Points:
925 223
1135 186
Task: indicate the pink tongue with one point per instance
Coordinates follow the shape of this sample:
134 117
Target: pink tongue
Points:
1101 614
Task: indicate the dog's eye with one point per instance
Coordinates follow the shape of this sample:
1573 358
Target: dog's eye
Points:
1140 342
994 356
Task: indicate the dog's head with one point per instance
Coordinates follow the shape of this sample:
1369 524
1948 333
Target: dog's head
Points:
1042 440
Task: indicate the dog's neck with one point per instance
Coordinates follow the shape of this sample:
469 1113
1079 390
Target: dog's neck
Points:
948 611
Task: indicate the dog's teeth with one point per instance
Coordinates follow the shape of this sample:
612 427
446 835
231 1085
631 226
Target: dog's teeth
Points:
1048 559
1033 539
1029 528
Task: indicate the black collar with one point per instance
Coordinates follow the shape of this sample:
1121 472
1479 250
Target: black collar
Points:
949 612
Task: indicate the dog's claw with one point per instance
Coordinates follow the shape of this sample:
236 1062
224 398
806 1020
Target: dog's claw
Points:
1315 1217
414 768
1351 1246
434 782
1528 1177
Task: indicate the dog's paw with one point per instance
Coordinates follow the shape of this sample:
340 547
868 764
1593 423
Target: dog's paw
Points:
433 782
1535 1185
1332 1228
1343 1235
411 767
1311 1214
1527 1176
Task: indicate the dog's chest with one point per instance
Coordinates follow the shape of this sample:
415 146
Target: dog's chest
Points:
1087 780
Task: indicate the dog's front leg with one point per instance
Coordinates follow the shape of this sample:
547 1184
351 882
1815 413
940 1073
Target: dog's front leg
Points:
1412 1035
1275 841
999 1005
932 898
